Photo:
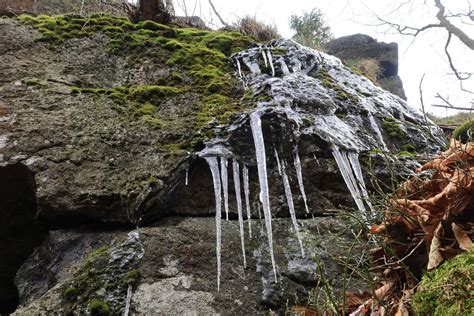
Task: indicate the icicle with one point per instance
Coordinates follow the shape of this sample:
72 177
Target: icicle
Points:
247 197
186 177
299 175
128 300
265 57
214 166
348 178
270 60
259 210
376 128
278 161
238 198
284 67
225 186
256 125
239 68
291 206
354 161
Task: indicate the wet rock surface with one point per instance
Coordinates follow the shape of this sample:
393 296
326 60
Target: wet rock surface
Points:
178 268
94 162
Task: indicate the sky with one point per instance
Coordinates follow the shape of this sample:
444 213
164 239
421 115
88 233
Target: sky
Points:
422 55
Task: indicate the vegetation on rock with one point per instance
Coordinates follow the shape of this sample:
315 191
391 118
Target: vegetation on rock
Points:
465 132
448 290
200 55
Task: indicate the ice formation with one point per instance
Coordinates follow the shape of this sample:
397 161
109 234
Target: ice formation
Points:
299 176
238 198
127 301
291 206
225 185
256 125
245 172
214 166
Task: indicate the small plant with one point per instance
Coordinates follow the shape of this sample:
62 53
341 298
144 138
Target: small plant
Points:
369 67
132 276
71 293
98 308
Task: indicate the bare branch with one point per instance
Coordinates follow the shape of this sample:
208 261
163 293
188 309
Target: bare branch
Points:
451 28
420 88
218 15
451 64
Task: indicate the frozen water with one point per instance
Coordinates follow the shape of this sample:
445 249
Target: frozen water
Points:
238 198
291 206
256 125
128 300
376 129
355 164
299 176
278 162
245 172
225 185
214 166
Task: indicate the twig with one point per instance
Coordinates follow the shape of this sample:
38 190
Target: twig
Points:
218 15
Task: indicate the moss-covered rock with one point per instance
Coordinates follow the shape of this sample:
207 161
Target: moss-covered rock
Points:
448 290
465 132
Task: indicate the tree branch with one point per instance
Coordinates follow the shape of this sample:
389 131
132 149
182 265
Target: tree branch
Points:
451 28
218 15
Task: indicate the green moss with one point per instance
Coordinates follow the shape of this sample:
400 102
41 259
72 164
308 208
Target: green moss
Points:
132 277
71 293
97 252
328 82
34 82
408 148
98 308
465 132
151 26
449 289
393 129
148 109
403 154
153 94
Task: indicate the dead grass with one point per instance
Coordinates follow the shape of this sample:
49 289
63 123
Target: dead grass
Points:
369 66
256 29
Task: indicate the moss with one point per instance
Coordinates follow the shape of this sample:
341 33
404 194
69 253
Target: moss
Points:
408 148
71 293
98 308
153 94
34 82
148 109
403 154
393 129
449 289
151 26
465 132
328 82
96 252
132 277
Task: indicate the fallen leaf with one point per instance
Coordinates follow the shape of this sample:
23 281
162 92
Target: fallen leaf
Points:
434 257
462 237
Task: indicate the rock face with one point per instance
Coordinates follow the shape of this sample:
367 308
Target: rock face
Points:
109 124
361 46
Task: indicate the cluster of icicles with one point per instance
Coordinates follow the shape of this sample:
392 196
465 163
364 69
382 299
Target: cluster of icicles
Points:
347 162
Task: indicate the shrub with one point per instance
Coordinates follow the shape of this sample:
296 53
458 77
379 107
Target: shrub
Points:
311 29
465 132
260 31
99 308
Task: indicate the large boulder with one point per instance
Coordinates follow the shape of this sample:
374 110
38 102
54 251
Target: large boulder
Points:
361 46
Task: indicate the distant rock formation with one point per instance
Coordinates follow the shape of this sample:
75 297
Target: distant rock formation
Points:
361 46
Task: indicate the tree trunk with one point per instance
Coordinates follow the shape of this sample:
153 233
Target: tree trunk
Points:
156 10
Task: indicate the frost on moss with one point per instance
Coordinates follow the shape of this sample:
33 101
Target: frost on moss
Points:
449 290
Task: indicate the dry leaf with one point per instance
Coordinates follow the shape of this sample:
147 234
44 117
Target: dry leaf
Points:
461 236
434 257
382 291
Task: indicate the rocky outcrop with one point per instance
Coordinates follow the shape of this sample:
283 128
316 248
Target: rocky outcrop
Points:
361 46
177 270
111 120
19 231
